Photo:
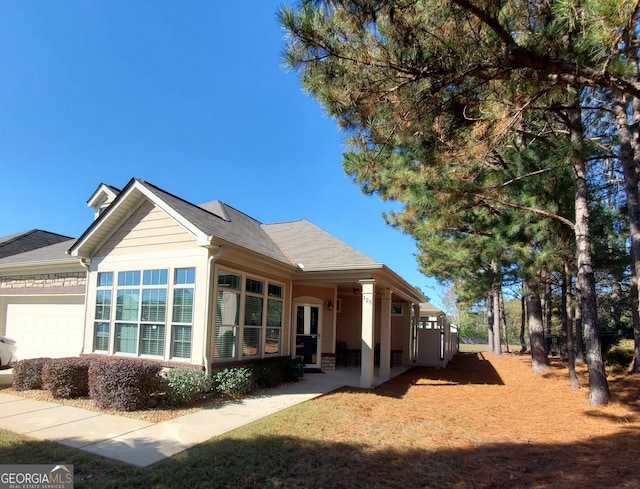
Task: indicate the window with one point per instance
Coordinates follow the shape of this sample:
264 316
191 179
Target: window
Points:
248 317
227 315
396 309
253 321
274 320
140 319
141 312
102 314
182 316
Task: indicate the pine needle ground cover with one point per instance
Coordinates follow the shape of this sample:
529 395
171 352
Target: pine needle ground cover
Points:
484 422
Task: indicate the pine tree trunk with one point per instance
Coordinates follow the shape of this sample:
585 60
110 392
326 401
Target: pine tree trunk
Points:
523 323
497 343
568 325
616 298
598 385
579 337
539 360
635 248
543 303
503 315
490 322
635 314
629 154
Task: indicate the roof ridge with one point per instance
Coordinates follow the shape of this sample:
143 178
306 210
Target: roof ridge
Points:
240 212
144 182
17 236
289 222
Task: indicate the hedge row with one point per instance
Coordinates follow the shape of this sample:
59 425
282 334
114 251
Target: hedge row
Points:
113 383
127 384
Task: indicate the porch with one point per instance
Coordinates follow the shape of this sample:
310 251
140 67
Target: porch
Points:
344 376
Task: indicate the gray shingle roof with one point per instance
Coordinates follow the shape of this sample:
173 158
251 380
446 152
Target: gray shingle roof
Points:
291 242
305 243
218 219
27 241
46 253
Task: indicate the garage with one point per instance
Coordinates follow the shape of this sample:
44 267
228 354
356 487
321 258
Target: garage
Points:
45 326
41 295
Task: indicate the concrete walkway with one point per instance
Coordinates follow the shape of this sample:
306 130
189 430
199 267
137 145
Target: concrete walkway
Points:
142 443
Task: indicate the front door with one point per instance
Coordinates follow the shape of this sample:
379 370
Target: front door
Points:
307 339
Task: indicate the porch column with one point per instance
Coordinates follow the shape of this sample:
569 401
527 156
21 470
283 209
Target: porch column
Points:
367 373
385 335
414 332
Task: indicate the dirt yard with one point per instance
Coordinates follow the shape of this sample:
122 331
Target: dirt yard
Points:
506 427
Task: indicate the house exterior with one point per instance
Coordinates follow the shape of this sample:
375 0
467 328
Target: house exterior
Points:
208 286
42 294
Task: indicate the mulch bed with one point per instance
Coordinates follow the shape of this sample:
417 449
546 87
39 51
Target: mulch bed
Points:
487 422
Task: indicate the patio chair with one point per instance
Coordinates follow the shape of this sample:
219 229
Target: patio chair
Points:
342 352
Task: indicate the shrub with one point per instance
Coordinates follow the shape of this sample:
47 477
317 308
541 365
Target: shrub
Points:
122 383
27 374
67 377
183 385
235 381
620 354
274 372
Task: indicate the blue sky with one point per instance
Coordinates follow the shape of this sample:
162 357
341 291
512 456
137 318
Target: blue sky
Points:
190 96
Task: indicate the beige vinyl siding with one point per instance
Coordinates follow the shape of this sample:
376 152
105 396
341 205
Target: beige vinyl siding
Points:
349 321
149 228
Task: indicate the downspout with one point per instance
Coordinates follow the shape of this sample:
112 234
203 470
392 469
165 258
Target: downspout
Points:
85 263
207 306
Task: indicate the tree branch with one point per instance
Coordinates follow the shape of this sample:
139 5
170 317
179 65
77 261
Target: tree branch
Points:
517 57
534 210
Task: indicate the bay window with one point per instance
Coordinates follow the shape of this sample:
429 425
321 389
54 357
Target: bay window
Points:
259 303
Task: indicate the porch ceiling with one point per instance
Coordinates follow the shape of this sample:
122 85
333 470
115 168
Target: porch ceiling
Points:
384 277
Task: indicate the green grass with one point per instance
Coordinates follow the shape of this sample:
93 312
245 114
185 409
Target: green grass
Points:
347 439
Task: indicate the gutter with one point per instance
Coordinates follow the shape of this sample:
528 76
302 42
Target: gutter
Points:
85 262
207 308
38 264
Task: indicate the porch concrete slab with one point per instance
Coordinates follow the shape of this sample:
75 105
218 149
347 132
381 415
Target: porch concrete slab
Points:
93 428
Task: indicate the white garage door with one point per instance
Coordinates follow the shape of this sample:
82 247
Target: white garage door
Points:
46 327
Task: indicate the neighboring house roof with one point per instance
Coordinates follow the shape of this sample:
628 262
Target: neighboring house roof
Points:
27 241
312 248
46 255
428 309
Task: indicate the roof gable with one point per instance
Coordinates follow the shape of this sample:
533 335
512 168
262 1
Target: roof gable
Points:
212 223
